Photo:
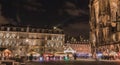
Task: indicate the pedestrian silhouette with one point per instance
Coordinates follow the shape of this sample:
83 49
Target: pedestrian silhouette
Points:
31 57
75 56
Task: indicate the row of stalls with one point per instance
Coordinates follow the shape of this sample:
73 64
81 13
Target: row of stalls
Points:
7 54
112 55
109 52
65 55
68 54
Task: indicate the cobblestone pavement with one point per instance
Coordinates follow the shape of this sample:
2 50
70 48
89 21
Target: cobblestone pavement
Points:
80 62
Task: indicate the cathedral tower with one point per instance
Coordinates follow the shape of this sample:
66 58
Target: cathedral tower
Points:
104 23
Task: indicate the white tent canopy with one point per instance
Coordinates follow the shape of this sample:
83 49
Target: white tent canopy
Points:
69 49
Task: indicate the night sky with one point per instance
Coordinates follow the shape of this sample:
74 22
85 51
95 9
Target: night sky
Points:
70 15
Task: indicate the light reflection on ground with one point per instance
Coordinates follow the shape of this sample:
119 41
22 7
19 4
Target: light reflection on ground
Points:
78 62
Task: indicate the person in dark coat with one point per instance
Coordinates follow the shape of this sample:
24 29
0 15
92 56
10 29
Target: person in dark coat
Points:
75 56
31 57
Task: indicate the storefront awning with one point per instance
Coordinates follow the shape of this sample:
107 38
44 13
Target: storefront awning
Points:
33 53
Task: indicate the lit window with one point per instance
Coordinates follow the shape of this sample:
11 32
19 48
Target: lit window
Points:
1 35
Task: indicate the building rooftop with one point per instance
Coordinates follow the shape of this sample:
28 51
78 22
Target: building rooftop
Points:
29 29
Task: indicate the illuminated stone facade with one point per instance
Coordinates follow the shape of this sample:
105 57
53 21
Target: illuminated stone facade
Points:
22 40
104 22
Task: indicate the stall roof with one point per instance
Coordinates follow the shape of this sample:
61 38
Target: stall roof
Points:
69 49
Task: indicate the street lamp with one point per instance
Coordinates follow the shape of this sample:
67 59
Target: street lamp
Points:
54 27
